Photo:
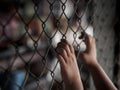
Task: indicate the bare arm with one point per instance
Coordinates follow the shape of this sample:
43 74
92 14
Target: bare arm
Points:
69 68
101 80
89 57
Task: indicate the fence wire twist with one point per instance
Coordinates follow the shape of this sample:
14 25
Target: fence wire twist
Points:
29 32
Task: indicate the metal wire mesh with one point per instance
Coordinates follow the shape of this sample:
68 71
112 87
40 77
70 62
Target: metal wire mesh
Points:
29 33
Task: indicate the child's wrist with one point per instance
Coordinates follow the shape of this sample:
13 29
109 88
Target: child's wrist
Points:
92 66
74 85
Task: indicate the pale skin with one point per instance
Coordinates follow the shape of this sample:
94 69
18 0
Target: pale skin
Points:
69 68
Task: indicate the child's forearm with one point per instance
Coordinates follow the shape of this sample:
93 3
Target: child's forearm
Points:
101 80
69 68
77 85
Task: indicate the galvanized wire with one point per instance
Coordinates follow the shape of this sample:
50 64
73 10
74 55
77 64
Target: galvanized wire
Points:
40 54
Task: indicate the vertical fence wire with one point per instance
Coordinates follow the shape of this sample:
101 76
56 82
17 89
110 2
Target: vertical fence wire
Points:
29 32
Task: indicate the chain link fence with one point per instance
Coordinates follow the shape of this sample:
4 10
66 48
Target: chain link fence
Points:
29 33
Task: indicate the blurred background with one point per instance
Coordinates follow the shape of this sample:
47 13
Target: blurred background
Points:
31 29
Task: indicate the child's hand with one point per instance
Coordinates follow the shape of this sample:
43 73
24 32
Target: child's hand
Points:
69 68
89 56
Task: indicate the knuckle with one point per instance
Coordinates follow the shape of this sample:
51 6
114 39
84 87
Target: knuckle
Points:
63 50
66 46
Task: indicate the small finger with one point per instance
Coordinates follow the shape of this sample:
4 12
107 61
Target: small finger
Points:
62 52
70 46
61 59
65 46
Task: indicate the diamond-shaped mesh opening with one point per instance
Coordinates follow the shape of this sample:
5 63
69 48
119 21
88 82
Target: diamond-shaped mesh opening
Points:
29 33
